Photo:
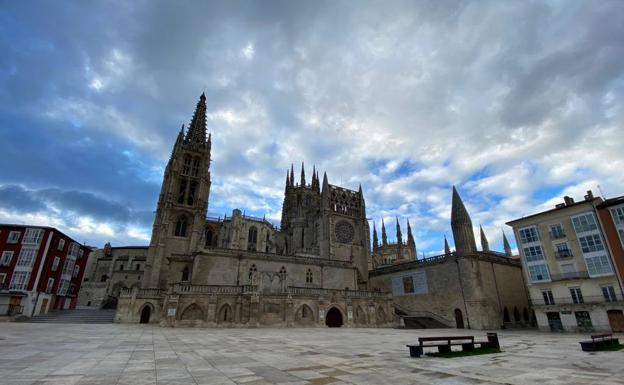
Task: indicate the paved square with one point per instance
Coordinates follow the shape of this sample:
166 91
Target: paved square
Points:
66 354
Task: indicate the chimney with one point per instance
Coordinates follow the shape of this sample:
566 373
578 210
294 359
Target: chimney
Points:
568 200
590 196
560 205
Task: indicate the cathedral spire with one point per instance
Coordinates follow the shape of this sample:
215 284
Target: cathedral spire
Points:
287 180
197 130
375 239
292 175
313 185
485 245
399 235
447 249
462 226
410 239
178 141
384 238
506 245
325 183
303 181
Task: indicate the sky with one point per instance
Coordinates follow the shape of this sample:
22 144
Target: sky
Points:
517 103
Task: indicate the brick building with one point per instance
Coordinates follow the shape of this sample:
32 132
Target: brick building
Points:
40 269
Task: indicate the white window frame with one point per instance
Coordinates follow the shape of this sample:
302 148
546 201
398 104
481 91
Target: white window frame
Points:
549 299
50 285
584 229
617 213
22 282
26 257
2 278
610 290
76 271
13 237
61 245
32 236
534 266
581 223
6 258
576 294
524 240
55 263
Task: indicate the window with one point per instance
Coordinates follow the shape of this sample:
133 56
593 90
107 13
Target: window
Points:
608 293
80 253
20 280
76 271
577 296
528 235
50 285
6 258
591 243
104 278
180 227
252 272
32 236
121 267
209 235
568 270
598 265
63 287
533 253
73 249
2 279
182 191
55 264
618 215
138 267
61 245
556 231
13 237
309 276
72 288
191 194
583 223
548 297
195 170
185 273
539 272
27 256
563 250
252 238
282 273
187 165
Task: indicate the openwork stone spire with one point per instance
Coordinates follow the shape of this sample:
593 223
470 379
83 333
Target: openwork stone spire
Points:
462 226
399 235
506 245
447 249
197 130
410 239
485 245
384 237
375 239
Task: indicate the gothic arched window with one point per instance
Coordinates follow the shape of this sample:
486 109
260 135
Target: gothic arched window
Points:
309 276
191 194
182 191
195 169
252 271
209 236
185 273
252 238
282 272
187 165
180 227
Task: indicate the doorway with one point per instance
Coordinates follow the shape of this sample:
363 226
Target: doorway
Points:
459 319
554 321
333 319
145 314
44 307
616 320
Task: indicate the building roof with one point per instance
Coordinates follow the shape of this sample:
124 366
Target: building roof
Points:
44 227
567 206
611 202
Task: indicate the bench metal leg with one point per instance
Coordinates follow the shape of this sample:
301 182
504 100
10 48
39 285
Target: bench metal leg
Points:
468 347
415 351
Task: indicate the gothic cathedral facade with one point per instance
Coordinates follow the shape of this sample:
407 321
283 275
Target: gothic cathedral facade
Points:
243 271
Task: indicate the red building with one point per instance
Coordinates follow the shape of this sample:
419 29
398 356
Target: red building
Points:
40 269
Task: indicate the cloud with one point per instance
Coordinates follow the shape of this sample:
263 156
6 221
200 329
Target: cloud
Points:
516 103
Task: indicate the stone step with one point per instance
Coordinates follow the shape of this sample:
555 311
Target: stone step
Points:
76 316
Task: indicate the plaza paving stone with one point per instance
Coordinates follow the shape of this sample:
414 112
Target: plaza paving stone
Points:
66 354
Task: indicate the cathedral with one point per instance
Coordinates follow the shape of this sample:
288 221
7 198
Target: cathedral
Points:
243 271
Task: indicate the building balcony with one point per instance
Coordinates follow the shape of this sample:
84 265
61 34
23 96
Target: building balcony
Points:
585 300
571 275
563 254
557 235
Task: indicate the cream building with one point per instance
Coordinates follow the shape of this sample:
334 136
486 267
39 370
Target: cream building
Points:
569 269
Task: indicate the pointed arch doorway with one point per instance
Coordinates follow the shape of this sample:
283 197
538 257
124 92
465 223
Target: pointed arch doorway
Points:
145 314
333 319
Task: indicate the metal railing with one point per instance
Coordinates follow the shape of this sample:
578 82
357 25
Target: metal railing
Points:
564 253
592 299
557 235
11 310
571 275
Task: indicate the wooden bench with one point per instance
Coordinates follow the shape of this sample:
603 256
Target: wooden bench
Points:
599 342
444 343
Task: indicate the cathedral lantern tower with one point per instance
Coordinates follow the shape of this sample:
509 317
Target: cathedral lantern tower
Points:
183 200
462 226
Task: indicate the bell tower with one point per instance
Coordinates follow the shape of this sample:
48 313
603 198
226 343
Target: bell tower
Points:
183 201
